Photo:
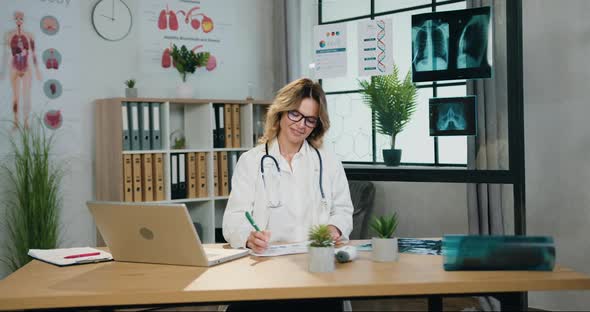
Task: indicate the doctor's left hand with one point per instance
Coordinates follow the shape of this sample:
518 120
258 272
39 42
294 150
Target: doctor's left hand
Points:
335 232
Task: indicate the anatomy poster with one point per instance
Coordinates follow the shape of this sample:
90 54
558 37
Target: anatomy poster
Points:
375 47
329 46
202 26
39 62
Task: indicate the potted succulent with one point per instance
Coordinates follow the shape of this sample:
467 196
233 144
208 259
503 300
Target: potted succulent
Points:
384 246
186 62
321 249
130 91
393 102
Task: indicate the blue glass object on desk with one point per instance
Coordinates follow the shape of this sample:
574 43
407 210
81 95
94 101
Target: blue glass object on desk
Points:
497 252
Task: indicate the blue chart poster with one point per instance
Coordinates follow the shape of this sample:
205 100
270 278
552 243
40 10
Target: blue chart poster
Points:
330 57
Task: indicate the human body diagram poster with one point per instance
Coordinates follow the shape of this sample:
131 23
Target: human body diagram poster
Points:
202 26
39 61
375 47
330 57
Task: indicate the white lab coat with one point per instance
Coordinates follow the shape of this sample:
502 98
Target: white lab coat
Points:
299 195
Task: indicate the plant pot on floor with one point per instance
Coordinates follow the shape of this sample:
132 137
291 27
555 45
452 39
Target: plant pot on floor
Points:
384 249
131 92
321 259
392 157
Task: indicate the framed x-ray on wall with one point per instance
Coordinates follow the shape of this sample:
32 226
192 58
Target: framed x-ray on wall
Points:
452 45
453 116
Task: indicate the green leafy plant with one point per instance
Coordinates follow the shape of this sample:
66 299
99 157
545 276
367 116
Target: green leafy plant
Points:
385 226
187 61
130 83
393 101
32 198
319 236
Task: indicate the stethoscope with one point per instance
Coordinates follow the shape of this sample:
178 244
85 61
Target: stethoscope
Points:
277 203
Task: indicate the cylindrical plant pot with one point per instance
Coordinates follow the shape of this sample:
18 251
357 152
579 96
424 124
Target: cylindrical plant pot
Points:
384 249
392 157
321 259
184 90
131 92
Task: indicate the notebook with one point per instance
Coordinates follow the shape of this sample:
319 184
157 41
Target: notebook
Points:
70 256
155 233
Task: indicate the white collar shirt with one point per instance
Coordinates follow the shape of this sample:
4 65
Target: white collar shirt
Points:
297 191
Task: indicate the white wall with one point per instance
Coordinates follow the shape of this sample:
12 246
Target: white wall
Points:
557 135
108 64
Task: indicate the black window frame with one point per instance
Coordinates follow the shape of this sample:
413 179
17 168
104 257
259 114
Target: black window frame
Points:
515 174
434 85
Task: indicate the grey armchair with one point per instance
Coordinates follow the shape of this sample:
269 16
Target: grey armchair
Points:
362 194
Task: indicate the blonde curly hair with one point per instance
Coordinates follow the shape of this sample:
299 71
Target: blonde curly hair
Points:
289 98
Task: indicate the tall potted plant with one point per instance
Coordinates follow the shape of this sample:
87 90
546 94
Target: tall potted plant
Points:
186 62
321 249
393 102
384 246
32 198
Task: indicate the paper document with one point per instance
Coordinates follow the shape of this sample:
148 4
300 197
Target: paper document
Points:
70 256
283 249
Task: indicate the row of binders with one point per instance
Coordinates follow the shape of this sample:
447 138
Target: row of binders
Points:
226 133
188 172
143 177
141 126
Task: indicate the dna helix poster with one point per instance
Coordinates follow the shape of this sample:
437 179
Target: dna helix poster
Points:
375 44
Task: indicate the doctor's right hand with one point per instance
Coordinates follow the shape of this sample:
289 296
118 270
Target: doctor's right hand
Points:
258 241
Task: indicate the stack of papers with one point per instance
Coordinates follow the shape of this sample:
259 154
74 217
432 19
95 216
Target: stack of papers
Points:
283 249
70 256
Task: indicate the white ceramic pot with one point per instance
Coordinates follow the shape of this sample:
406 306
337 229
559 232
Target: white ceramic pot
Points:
131 92
184 90
384 249
321 259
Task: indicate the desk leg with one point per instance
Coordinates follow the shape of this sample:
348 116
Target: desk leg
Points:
516 301
435 303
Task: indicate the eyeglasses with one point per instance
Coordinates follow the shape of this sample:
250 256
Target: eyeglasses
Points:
310 121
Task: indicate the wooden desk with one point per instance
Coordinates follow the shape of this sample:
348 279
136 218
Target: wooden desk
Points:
40 286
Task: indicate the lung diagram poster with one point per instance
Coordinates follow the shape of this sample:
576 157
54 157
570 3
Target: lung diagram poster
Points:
201 26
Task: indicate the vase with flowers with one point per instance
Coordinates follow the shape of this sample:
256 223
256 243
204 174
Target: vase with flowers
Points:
186 62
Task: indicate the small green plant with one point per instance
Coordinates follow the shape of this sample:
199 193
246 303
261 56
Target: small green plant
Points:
187 61
385 226
32 196
319 236
130 83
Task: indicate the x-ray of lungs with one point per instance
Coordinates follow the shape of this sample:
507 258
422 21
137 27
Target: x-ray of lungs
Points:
452 45
451 116
473 43
430 46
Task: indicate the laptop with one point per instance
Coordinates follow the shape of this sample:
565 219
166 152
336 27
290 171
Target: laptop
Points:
155 233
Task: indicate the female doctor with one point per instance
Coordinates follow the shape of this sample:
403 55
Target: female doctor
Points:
289 182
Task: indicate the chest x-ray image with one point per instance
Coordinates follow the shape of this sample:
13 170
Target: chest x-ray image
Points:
451 45
452 116
430 46
473 42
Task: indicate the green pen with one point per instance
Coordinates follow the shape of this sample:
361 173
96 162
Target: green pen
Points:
251 220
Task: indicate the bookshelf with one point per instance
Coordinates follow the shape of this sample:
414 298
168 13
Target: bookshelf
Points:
195 119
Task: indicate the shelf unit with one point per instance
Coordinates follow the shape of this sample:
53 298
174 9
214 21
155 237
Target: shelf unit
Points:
196 119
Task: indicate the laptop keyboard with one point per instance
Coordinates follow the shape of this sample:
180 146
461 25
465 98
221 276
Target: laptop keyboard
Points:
211 254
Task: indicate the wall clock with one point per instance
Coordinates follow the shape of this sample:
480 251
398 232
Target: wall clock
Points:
112 19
